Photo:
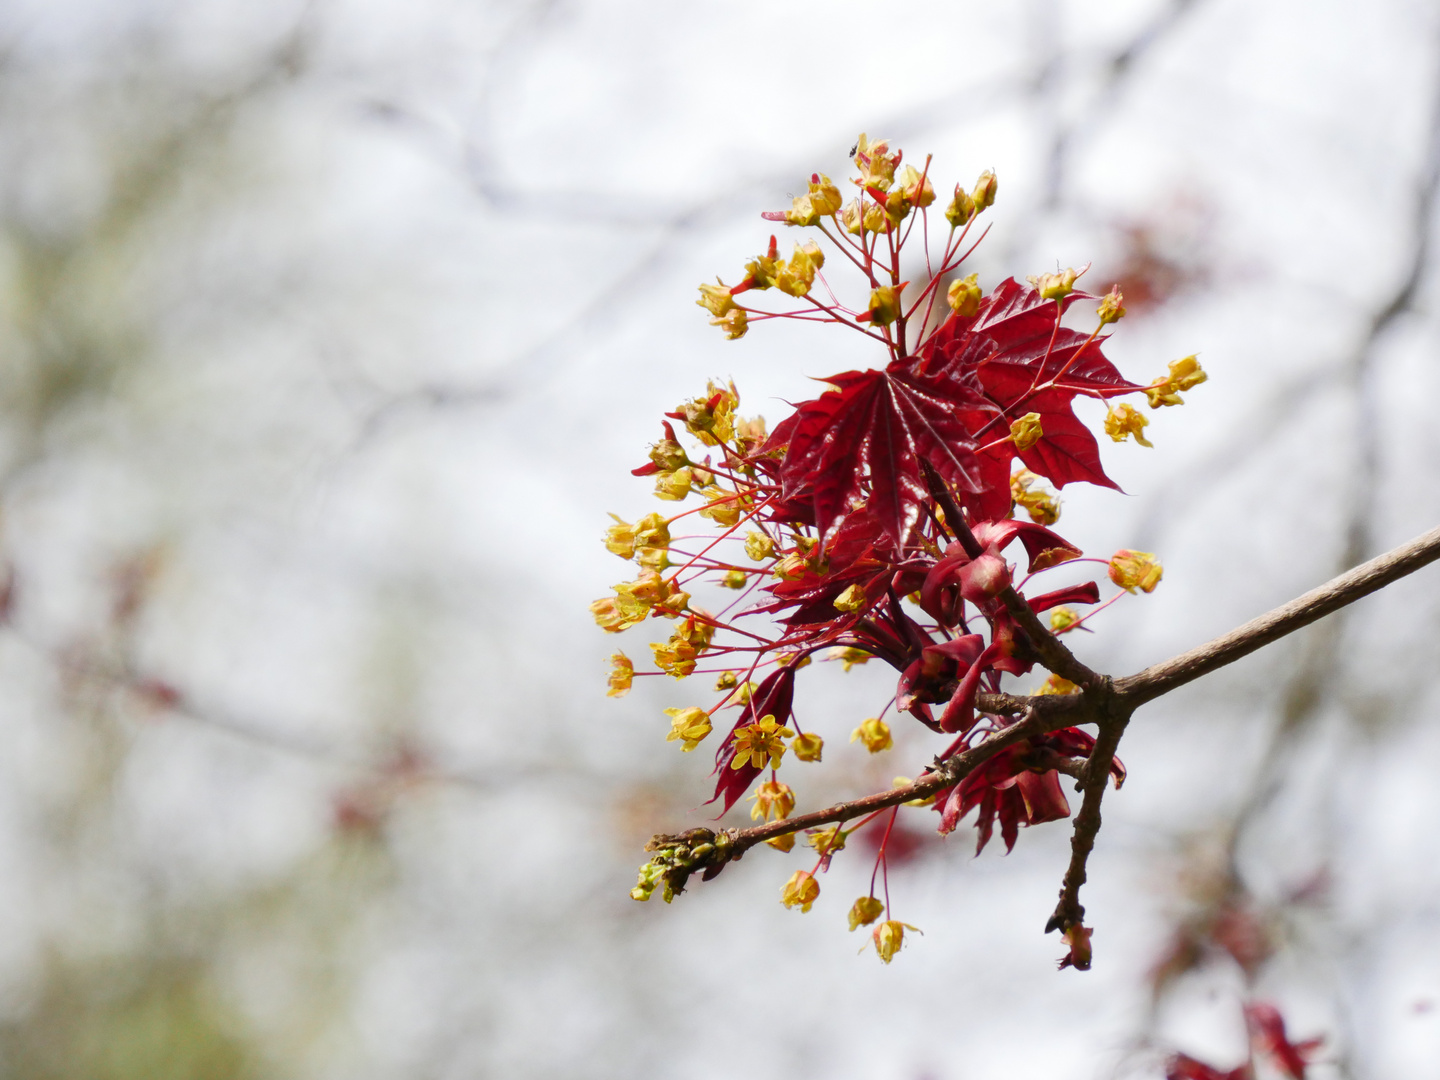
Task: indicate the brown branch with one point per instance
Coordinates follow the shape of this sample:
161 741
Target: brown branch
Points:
1050 649
1335 594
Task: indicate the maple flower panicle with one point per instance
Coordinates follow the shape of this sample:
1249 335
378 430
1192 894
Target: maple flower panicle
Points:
865 911
716 298
808 746
802 890
1133 570
622 673
690 725
1184 374
760 743
889 938
1112 306
874 734
1026 431
964 296
1125 420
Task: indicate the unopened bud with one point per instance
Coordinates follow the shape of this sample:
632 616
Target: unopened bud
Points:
808 746
984 193
1112 307
865 911
963 296
1026 431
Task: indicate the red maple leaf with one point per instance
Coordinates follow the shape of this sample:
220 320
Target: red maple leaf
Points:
863 442
1026 363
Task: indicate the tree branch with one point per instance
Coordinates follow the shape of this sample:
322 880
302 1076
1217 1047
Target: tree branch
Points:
1335 594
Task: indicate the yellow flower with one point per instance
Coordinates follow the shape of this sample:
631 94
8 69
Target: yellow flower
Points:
723 508
761 270
885 305
749 434
791 566
874 733
672 486
1026 431
1062 618
608 616
808 746
848 657
653 558
852 599
726 680
865 911
759 743
1122 422
796 277
734 322
1112 307
716 299
691 725
1055 286
734 579
802 889
622 673
875 162
1184 374
984 194
711 418
759 547
889 937
1133 570
772 799
963 296
827 841
784 842
915 186
961 208
634 599
674 657
1043 507
1056 684
620 538
824 195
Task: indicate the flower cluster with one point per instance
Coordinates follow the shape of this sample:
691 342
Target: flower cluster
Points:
878 520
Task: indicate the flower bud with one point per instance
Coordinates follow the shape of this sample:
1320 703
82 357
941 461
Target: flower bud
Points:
915 186
1062 618
716 299
963 296
759 547
1183 375
889 937
961 208
874 733
1026 431
885 305
1124 421
801 890
984 194
865 911
1055 286
851 600
808 746
1133 570
1111 308
772 799
734 579
622 672
690 725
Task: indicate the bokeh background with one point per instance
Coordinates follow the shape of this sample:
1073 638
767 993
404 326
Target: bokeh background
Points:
328 335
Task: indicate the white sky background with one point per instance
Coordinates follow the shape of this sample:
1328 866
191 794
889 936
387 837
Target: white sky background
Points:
373 361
